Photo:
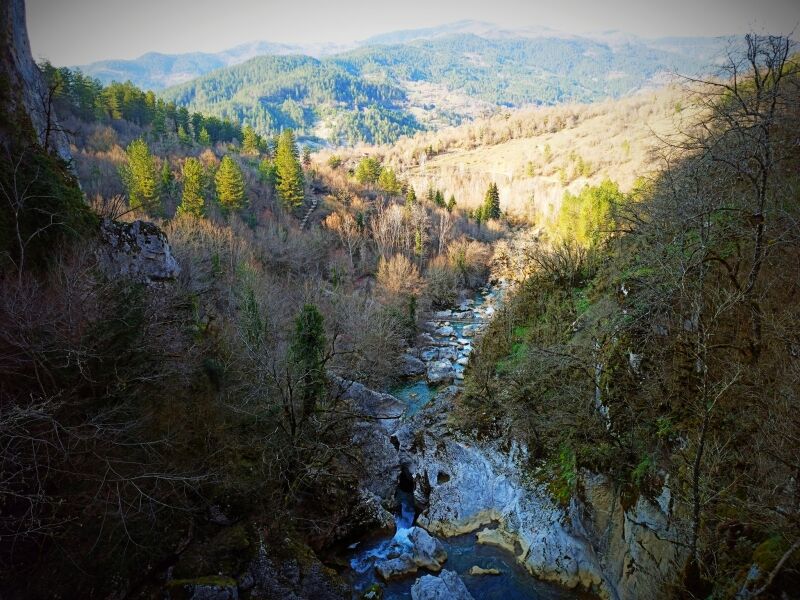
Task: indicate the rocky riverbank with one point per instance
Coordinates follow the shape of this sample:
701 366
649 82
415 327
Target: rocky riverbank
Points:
462 486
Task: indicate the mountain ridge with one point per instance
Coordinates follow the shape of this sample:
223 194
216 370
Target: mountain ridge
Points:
157 70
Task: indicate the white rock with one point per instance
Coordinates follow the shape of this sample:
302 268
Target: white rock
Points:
440 371
447 586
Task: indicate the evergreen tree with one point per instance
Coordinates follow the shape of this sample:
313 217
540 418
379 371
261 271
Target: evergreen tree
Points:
451 203
491 204
183 136
368 170
204 138
431 195
266 168
388 181
251 141
230 184
419 244
438 199
141 177
307 354
192 202
306 157
411 197
411 200
289 173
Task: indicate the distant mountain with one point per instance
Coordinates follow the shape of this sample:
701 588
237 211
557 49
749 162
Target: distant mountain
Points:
157 71
435 77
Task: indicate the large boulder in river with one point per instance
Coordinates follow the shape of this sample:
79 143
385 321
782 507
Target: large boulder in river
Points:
378 407
411 366
441 371
416 550
447 586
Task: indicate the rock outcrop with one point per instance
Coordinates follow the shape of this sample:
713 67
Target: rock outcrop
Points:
290 580
138 251
640 549
465 486
379 417
447 586
417 549
24 80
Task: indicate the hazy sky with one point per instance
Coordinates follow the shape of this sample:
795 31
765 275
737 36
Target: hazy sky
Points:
70 32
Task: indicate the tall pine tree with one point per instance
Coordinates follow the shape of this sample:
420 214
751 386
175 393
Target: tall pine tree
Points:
192 201
491 204
290 185
230 184
251 141
140 177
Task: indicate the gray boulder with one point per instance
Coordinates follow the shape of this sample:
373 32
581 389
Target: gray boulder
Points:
447 586
445 331
440 371
138 251
411 366
416 550
373 405
429 354
392 568
428 551
380 466
448 353
470 330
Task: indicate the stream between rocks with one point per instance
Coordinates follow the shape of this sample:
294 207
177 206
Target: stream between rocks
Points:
402 561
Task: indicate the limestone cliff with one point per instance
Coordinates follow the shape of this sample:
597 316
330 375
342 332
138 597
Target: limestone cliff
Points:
24 89
596 543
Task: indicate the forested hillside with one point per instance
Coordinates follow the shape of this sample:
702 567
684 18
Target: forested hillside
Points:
317 98
378 93
180 408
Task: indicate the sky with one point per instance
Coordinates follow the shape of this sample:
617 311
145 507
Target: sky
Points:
74 32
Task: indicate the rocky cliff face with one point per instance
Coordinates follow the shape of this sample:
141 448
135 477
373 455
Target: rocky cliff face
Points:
639 548
594 544
28 92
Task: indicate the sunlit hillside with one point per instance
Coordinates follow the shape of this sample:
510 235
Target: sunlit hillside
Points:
535 155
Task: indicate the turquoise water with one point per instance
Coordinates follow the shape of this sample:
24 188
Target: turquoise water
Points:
416 395
513 583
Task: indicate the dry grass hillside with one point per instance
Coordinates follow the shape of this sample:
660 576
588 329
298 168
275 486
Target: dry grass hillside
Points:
536 154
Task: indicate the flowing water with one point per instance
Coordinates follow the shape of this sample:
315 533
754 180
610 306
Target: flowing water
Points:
513 583
463 552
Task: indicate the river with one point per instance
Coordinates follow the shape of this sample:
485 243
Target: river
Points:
463 552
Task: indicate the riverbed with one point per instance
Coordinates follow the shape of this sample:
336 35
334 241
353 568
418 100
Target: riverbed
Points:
449 336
